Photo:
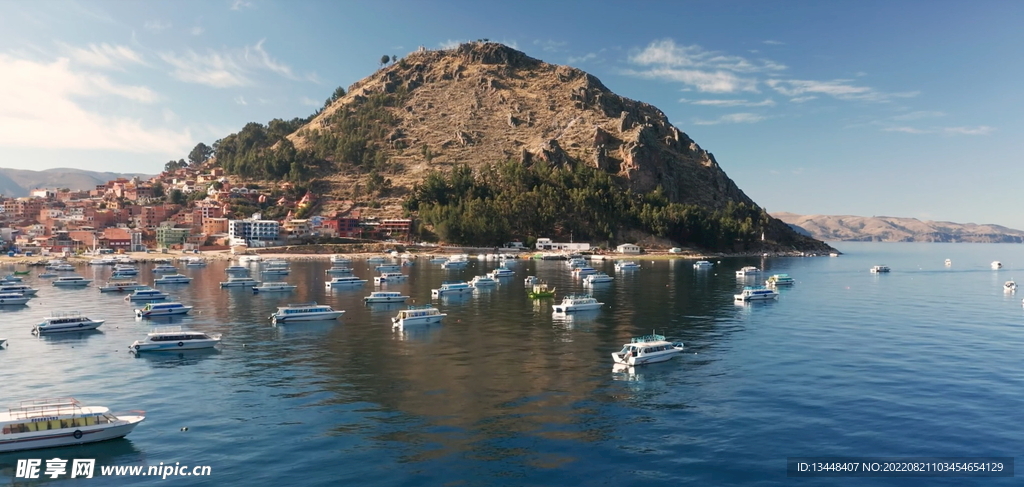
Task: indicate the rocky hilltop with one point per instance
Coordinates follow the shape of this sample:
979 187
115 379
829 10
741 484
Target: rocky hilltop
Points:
894 229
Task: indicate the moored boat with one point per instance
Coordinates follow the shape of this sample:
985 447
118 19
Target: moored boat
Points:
500 273
541 290
389 277
583 271
240 282
164 268
146 294
338 270
195 262
1009 286
996 264
627 266
385 297
598 278
417 315
454 264
702 264
266 287
748 271
339 282
878 269
756 293
572 303
121 286
173 279
164 338
531 280
64 322
236 269
71 281
450 288
486 280
779 280
18 288
647 349
48 423
305 312
162 309
389 268
949 262
13 299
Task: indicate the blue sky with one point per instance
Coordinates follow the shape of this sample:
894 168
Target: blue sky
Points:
867 108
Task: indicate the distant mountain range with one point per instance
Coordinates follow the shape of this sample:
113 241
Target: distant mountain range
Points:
19 182
895 229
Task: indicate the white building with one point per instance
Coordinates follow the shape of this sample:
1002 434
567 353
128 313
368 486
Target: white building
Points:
547 244
253 233
628 249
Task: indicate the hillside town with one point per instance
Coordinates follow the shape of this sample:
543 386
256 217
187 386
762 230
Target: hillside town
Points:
187 209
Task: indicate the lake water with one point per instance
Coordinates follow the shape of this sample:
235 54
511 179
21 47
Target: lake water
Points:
923 361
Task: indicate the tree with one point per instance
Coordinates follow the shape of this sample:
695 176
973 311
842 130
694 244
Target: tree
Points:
394 59
177 197
200 154
338 93
173 165
158 190
384 59
217 185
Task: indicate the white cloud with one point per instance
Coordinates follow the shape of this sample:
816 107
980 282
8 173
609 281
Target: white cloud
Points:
733 118
839 88
102 55
305 100
259 58
240 100
767 102
156 25
581 59
707 81
707 71
801 99
773 43
39 109
979 130
918 115
907 130
451 44
550 45
240 4
225 69
196 31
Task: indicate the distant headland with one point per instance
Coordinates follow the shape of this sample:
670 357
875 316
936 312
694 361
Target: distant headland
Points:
896 229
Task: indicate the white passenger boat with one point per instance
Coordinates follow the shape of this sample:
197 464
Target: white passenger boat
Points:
500 273
480 281
702 264
48 423
438 260
195 262
598 278
146 294
164 268
13 299
449 288
748 271
11 278
339 282
949 262
65 267
530 280
305 312
276 271
389 277
275 287
779 280
240 282
164 338
385 297
756 293
1009 286
18 288
162 309
121 286
62 322
576 262
125 270
71 281
173 279
647 349
417 315
236 269
572 303
583 271
454 264
103 261
338 270
879 269
389 268
340 260
627 266
996 264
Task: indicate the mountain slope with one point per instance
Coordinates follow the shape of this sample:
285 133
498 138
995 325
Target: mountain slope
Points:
894 229
19 182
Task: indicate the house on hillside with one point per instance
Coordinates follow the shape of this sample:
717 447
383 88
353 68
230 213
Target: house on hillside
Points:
547 244
628 248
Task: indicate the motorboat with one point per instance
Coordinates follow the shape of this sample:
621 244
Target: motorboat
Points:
65 267
702 264
11 278
449 288
162 309
541 291
385 297
147 294
598 278
779 280
438 260
389 277
530 280
338 270
583 271
417 315
486 280
374 260
18 288
305 312
162 268
748 271
240 282
248 259
878 269
48 423
1009 286
455 264
647 349
572 303
71 281
576 262
949 262
339 282
47 275
103 261
500 273
340 260
195 262
236 269
833 254
64 322
121 286
173 279
164 338
389 268
7 299
627 266
996 264
125 270
275 287
276 270
756 293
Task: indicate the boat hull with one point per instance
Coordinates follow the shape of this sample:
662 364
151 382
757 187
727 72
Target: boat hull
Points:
12 301
162 312
324 316
67 436
419 321
653 358
67 328
574 308
182 345
238 284
396 299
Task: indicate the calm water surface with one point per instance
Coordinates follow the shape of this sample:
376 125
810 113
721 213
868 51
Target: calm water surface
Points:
924 361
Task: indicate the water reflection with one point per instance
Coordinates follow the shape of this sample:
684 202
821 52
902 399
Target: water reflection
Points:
419 333
578 318
70 336
171 359
289 329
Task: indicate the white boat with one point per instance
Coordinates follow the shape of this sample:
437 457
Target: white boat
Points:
13 298
598 278
173 279
18 288
236 269
572 303
349 281
1009 286
388 277
779 280
748 271
417 315
702 264
879 269
11 278
627 266
48 423
164 268
146 294
174 338
64 267
3 341
833 254
576 262
267 287
647 349
756 293
949 262
248 259
438 260
47 275
125 270
389 268
996 264
449 288
340 260
162 309
240 282
480 281
71 281
62 322
454 264
195 262
385 297
103 261
121 286
374 260
530 280
501 273
305 312
583 271
338 270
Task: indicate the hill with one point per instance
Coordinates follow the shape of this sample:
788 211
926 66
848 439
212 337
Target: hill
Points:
894 229
516 124
19 182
